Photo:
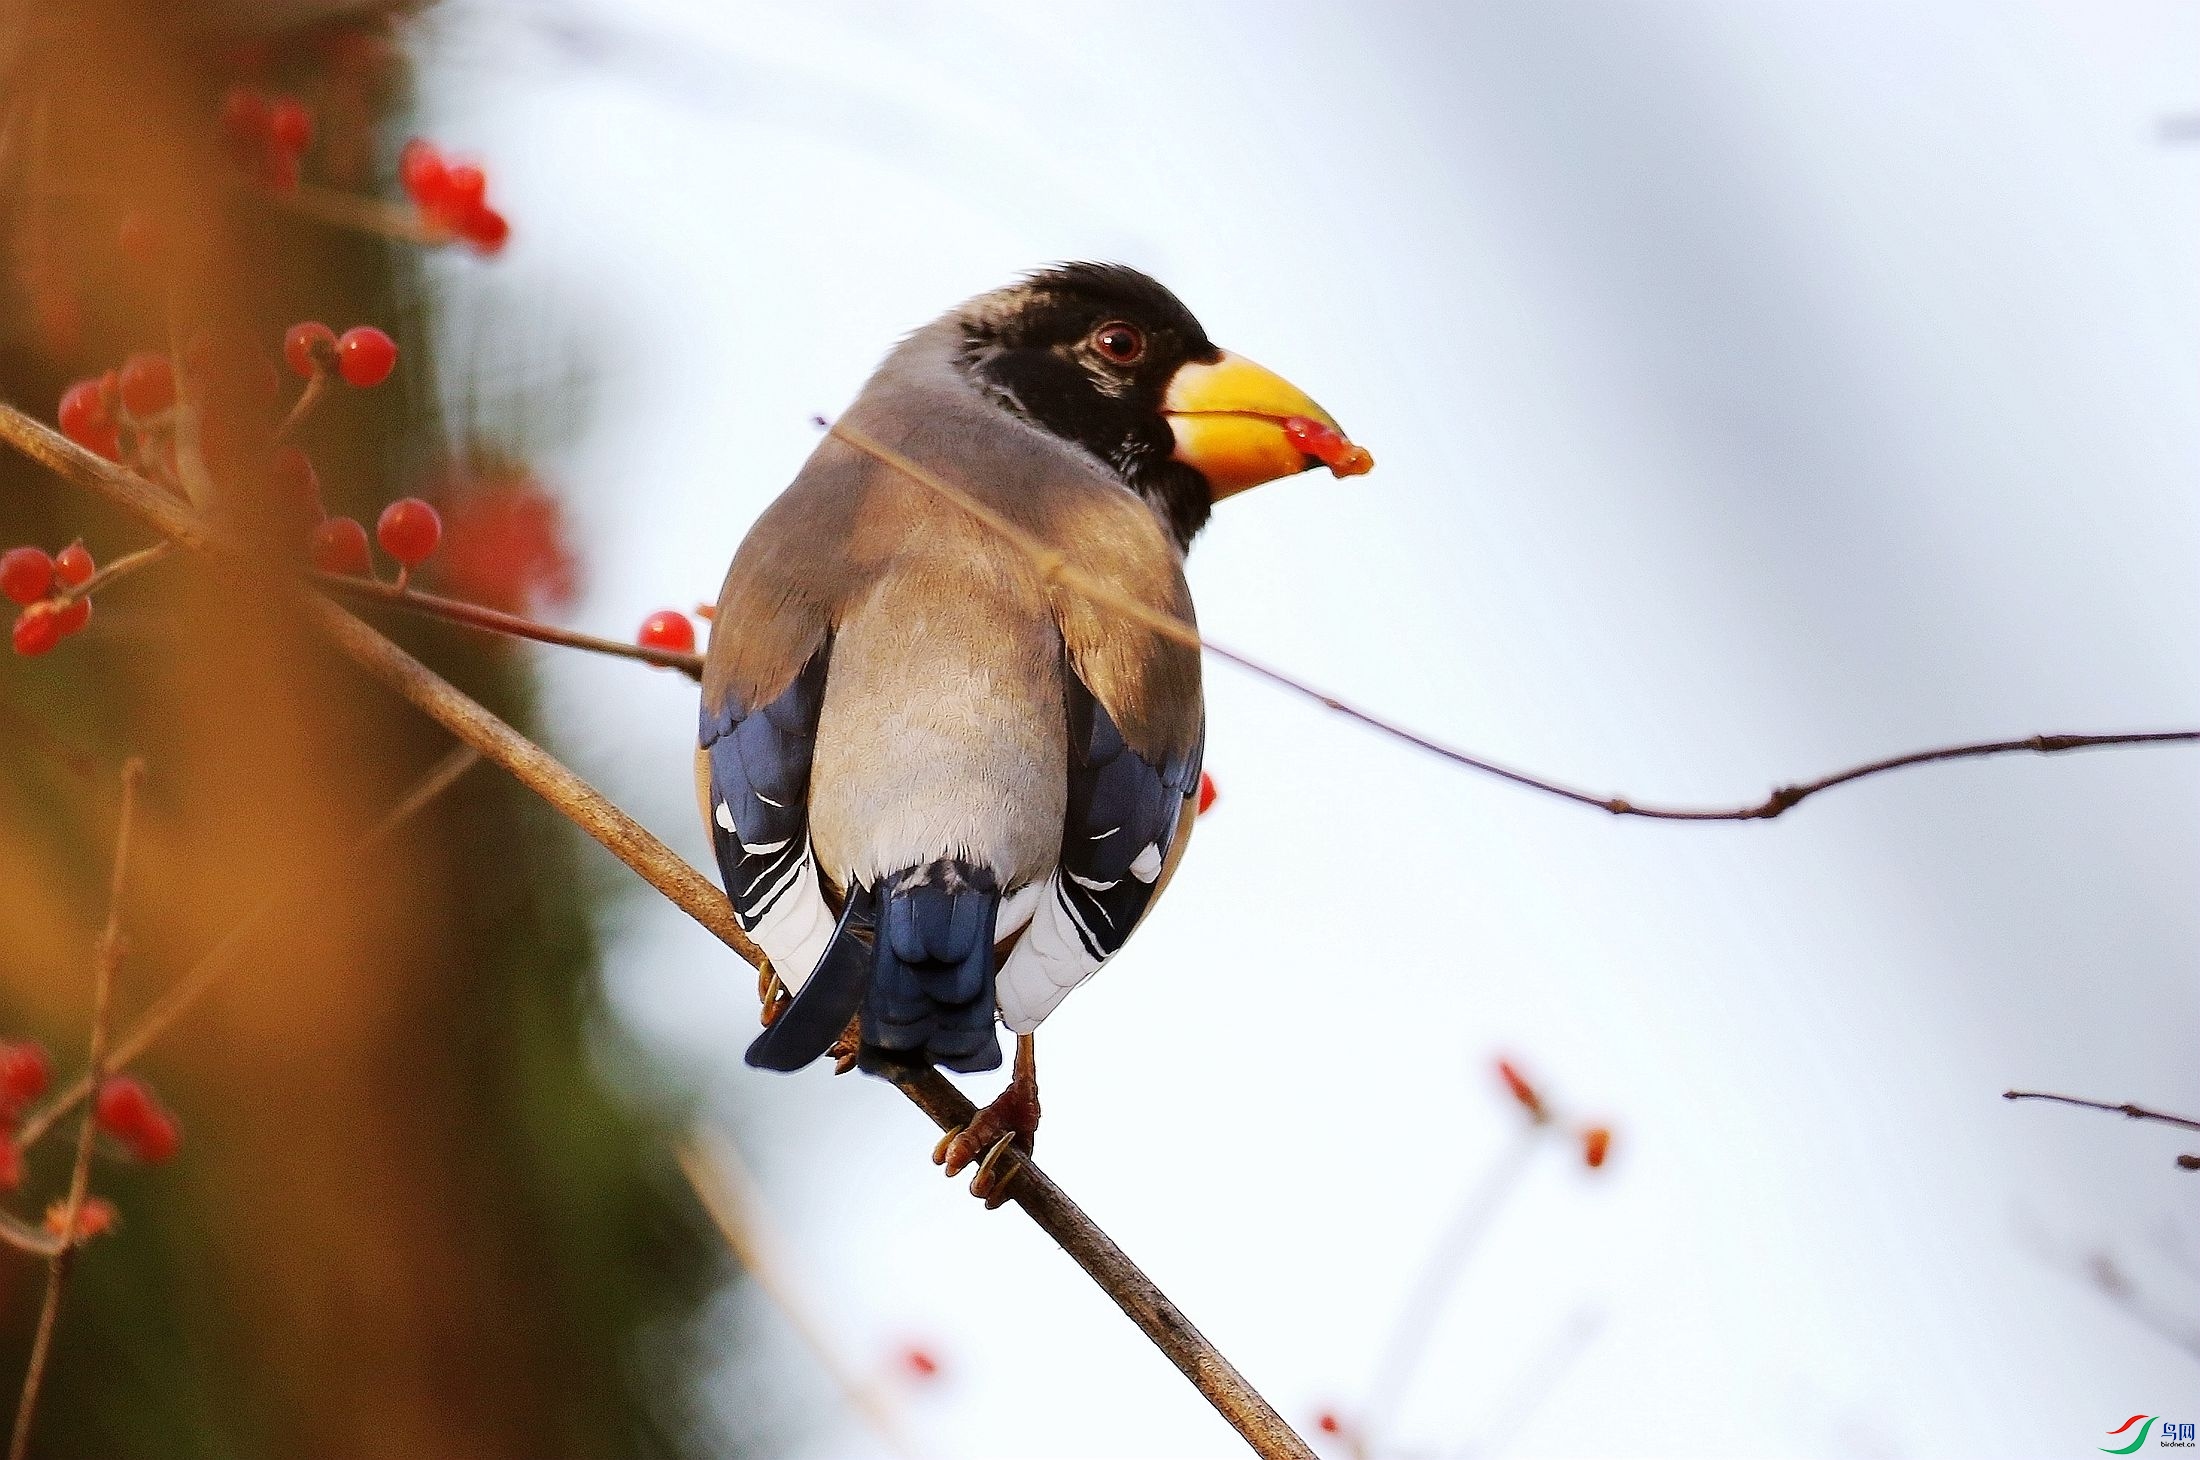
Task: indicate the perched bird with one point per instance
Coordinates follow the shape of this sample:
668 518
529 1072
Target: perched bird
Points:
943 782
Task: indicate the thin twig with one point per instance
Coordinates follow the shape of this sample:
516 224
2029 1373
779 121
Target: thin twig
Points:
1416 1321
2134 1112
1054 567
729 1195
378 216
475 615
121 567
2187 1162
228 953
107 957
594 813
316 387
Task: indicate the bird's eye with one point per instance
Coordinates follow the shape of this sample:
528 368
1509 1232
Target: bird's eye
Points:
1120 342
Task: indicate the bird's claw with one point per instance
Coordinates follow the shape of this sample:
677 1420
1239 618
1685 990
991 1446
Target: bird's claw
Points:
947 1143
847 1048
772 995
997 1170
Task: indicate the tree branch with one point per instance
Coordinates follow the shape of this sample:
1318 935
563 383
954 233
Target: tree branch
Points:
589 809
107 957
2187 1162
217 962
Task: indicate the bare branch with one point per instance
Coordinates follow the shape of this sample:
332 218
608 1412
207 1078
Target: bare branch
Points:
2190 1161
106 958
225 956
2134 1112
729 1195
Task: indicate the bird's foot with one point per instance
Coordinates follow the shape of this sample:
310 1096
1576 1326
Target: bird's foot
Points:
771 996
998 1138
848 1047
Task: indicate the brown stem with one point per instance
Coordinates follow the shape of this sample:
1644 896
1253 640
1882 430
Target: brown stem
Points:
121 567
227 954
316 387
377 216
107 956
475 615
2189 1162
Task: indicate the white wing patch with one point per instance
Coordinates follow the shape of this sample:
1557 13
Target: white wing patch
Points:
794 925
1016 909
1054 957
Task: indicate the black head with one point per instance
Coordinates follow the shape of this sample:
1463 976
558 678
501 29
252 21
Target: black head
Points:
1087 351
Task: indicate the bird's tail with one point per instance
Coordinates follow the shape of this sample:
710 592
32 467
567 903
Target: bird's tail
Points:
930 999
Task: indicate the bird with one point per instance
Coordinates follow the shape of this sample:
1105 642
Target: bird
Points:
952 722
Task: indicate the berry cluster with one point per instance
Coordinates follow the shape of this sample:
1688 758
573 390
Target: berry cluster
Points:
268 136
46 587
363 355
453 196
125 1110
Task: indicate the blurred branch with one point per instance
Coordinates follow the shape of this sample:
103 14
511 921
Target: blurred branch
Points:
624 837
2188 1162
729 1194
218 961
1416 1321
106 958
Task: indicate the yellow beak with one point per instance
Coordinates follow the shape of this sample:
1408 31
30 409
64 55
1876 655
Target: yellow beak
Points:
1239 425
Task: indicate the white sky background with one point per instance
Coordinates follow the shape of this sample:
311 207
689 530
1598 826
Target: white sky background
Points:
1757 388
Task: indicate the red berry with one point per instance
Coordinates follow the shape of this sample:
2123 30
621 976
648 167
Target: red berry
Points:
37 630
139 238
1328 1423
365 355
1206 792
920 1363
1521 1090
11 1164
26 574
73 565
308 347
290 125
127 1109
244 115
148 384
464 185
408 530
94 1218
85 416
422 173
1596 1144
72 619
667 628
24 1074
487 230
339 545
